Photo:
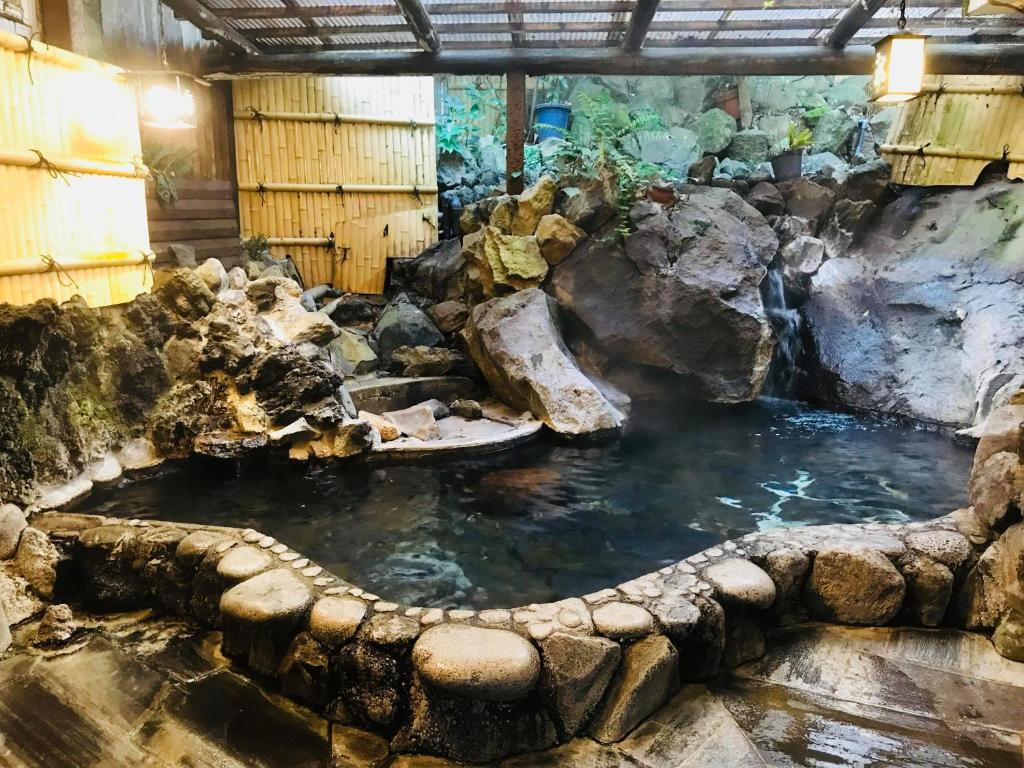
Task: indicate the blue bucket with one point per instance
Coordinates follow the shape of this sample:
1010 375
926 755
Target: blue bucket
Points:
551 121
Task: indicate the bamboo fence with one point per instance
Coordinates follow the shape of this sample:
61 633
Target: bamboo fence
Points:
72 189
351 157
957 126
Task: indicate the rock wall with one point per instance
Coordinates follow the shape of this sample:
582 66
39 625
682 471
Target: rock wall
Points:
923 317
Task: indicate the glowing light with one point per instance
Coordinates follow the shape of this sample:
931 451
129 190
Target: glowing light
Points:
169 106
899 68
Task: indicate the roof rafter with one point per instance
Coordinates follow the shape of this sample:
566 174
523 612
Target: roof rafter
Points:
420 25
639 22
856 16
212 26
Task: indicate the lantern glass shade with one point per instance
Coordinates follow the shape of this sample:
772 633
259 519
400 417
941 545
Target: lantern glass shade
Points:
899 68
168 104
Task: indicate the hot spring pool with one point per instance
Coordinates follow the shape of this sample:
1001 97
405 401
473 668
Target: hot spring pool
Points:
552 519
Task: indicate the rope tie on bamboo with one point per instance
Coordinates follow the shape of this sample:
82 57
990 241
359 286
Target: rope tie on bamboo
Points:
141 169
331 244
148 257
340 189
430 221
257 116
920 152
413 125
1006 153
50 168
28 59
337 122
261 190
416 194
52 265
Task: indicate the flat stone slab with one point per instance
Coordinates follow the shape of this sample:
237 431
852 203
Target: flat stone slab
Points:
272 596
335 619
463 436
622 621
487 664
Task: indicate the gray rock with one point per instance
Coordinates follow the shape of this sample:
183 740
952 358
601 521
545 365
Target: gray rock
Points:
237 278
335 619
675 149
767 199
995 489
787 569
483 664
403 324
848 91
740 582
267 292
242 563
749 146
807 200
467 409
823 163
424 361
622 621
438 273
416 421
981 600
12 523
1008 638
212 273
915 321
260 617
744 641
715 129
868 181
703 170
646 678
676 616
183 255
372 683
36 560
575 674
229 444
56 627
304 672
697 265
449 316
391 631
946 547
702 648
833 131
729 168
854 585
351 354
845 224
516 344
788 228
929 588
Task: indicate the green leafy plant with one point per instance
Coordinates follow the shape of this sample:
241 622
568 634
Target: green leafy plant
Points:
479 109
799 137
554 89
167 163
254 247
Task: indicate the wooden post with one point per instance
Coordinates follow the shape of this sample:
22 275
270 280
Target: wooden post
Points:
746 108
515 133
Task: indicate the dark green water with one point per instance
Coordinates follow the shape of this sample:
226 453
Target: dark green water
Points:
552 519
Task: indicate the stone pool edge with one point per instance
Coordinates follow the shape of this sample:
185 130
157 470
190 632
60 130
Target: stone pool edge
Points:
481 685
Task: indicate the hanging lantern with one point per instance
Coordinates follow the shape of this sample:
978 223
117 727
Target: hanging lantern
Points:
168 104
899 68
899 64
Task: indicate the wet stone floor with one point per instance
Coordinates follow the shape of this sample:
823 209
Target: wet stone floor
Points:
134 690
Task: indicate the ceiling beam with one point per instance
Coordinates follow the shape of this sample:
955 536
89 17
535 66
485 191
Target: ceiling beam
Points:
212 26
963 59
855 17
639 22
420 25
734 25
538 6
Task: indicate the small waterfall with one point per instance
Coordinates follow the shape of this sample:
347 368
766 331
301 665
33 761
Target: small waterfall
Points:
786 322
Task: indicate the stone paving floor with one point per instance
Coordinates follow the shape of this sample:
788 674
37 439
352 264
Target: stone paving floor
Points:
135 690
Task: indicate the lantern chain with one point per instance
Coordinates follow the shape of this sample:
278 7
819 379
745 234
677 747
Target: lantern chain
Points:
902 23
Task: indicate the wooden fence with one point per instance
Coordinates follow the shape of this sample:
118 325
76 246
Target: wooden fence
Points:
203 217
72 190
338 172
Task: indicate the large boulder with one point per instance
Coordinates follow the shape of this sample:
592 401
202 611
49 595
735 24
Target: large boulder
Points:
715 129
439 272
403 324
924 317
517 346
696 266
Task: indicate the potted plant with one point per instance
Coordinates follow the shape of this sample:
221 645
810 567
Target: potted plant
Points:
728 100
551 116
789 164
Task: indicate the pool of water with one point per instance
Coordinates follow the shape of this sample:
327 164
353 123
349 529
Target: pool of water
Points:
552 518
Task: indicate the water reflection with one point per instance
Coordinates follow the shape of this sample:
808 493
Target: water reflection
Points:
553 518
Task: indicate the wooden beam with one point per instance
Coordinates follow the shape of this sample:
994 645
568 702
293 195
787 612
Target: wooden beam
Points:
539 6
957 59
639 22
420 25
212 26
797 24
856 16
515 131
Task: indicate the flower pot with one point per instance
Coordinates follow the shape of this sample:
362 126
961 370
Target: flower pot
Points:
551 121
729 101
788 165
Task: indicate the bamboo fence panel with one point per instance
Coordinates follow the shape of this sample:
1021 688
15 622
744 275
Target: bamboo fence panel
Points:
352 156
960 124
72 186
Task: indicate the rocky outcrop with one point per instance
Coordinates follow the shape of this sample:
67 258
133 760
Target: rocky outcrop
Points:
517 346
679 297
924 317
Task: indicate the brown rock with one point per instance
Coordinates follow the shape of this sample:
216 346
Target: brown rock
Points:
851 585
557 238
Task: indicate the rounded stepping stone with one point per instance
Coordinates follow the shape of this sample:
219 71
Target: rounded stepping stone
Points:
271 596
486 664
622 621
243 563
334 620
740 582
193 547
946 547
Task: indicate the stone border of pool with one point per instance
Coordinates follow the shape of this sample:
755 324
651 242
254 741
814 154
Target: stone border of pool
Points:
477 686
